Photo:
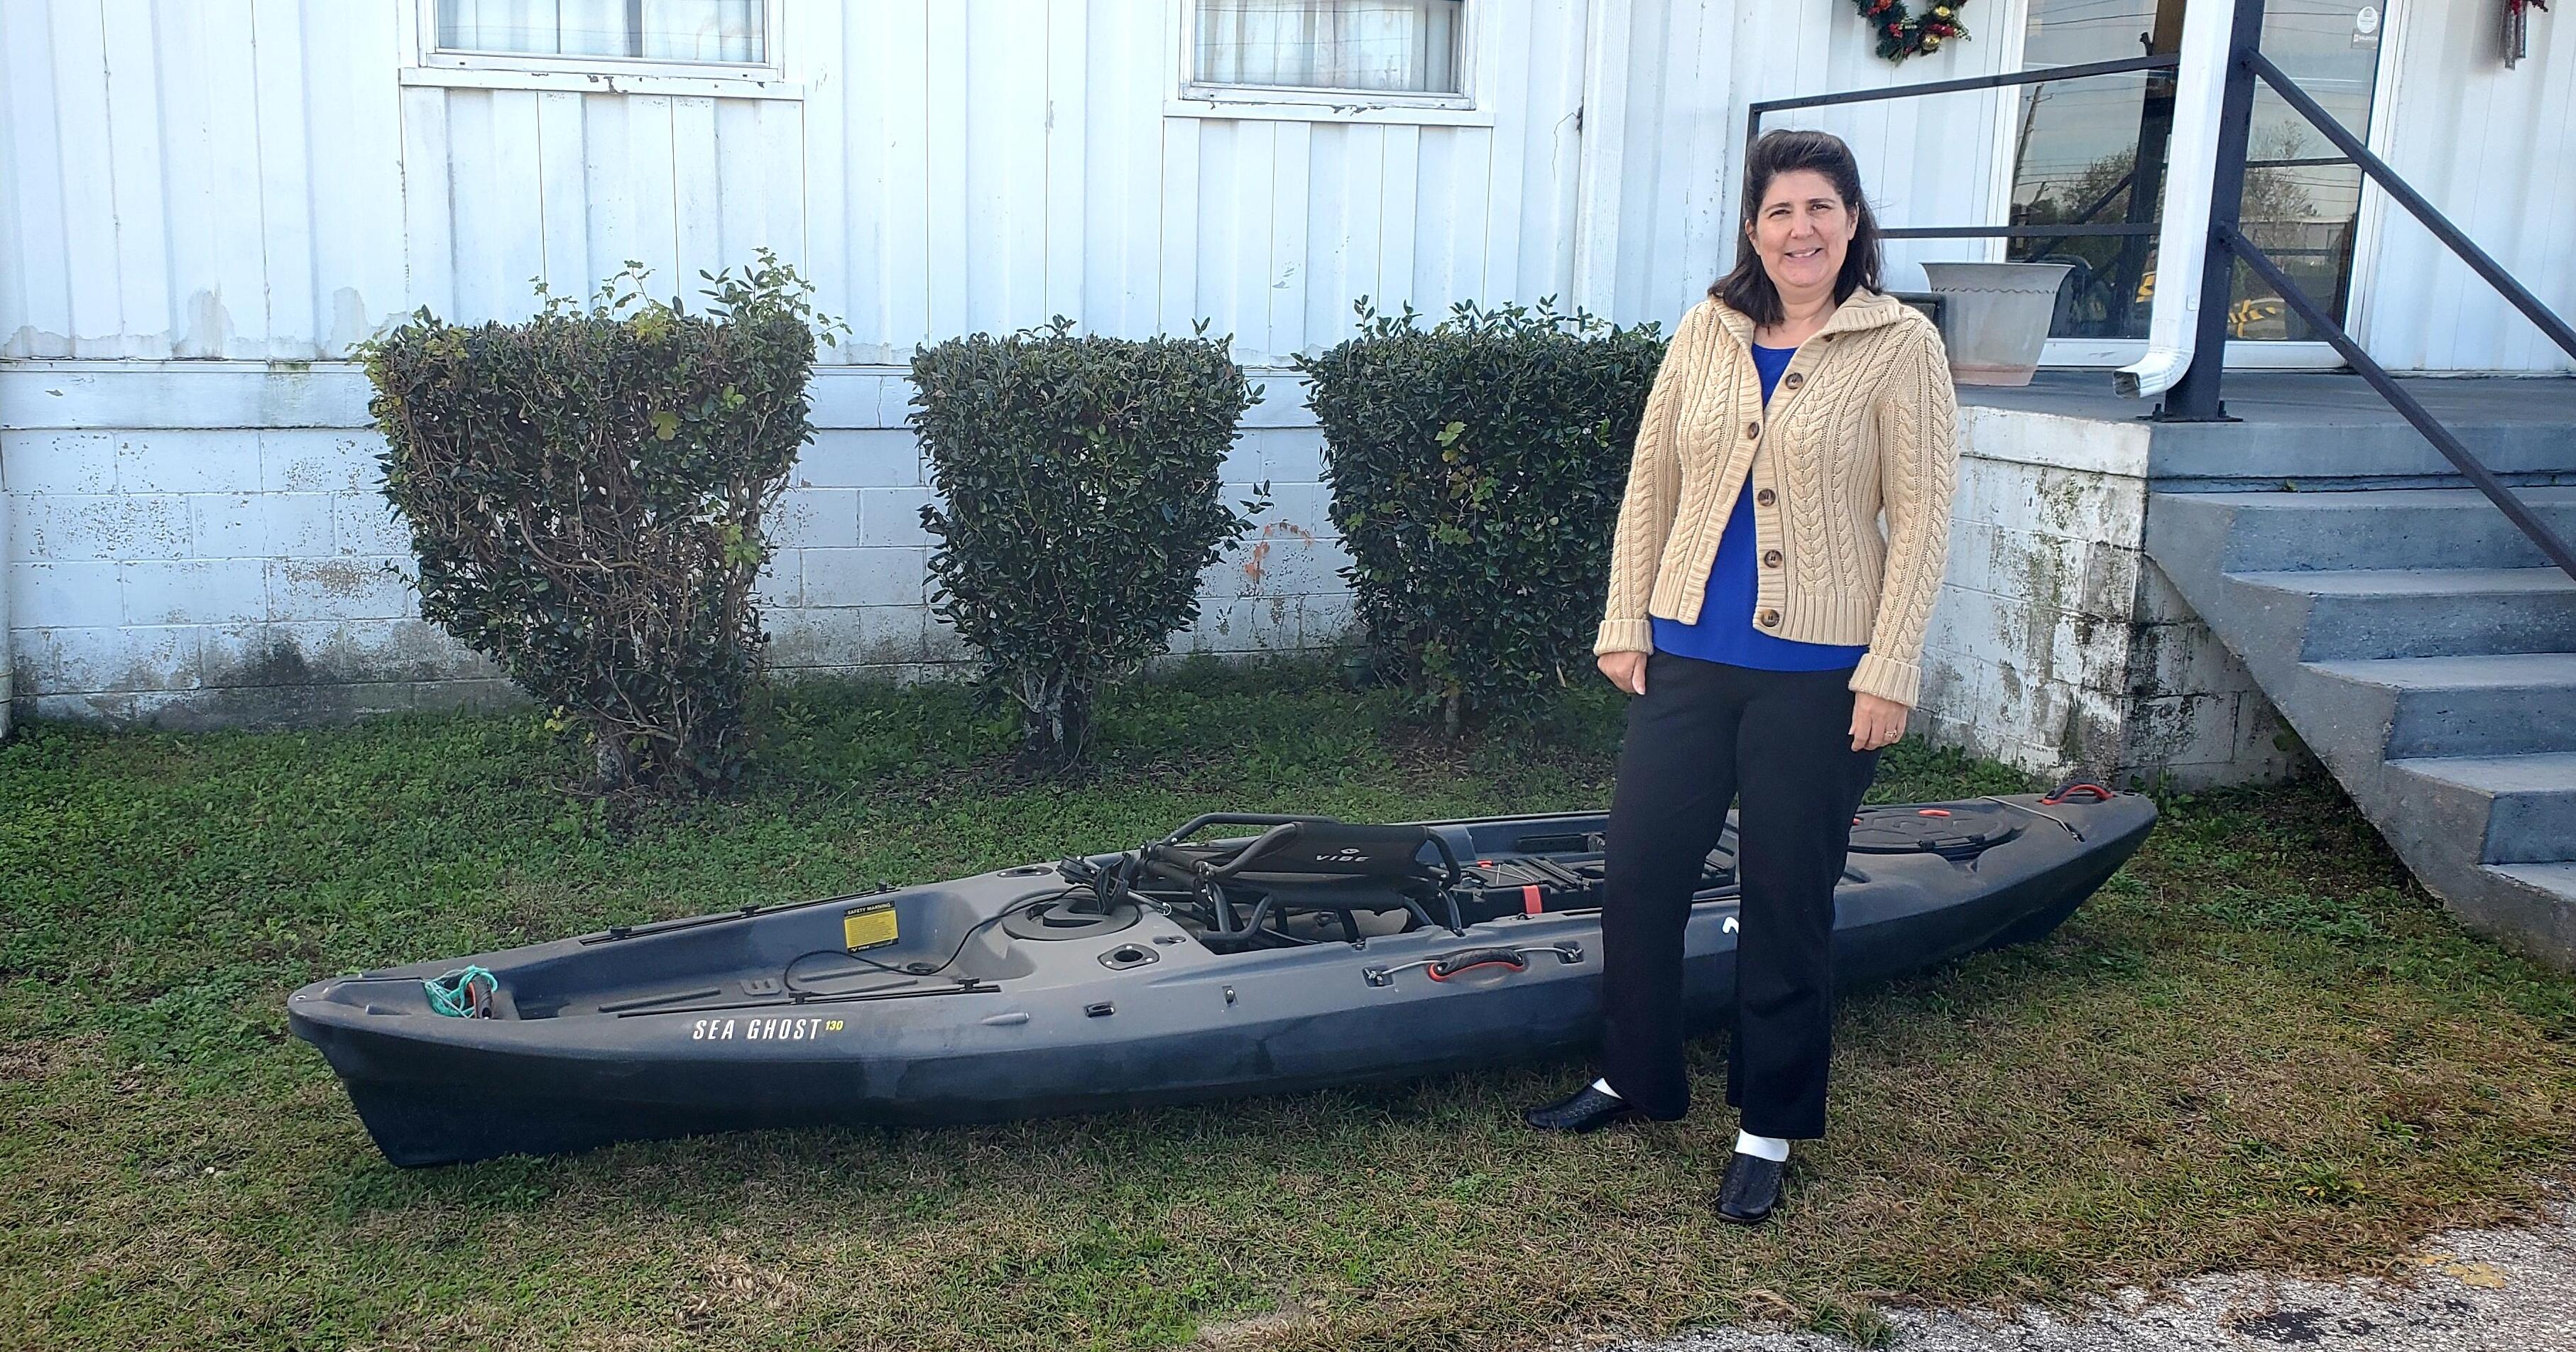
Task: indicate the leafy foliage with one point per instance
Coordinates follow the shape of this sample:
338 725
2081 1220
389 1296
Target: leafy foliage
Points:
1477 468
1077 485
586 491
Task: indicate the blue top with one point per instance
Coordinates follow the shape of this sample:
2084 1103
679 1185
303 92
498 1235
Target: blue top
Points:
1724 631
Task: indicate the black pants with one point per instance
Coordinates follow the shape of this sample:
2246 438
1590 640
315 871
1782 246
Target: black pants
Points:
1701 734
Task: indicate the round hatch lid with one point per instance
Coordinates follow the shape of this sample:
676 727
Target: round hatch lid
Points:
1059 918
1950 830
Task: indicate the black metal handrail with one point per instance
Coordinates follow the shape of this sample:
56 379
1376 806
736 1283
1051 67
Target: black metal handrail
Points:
2195 397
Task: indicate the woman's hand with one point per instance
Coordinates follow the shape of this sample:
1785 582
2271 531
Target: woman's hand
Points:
1875 722
1625 670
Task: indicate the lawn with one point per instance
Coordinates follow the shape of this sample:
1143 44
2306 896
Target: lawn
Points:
2260 1045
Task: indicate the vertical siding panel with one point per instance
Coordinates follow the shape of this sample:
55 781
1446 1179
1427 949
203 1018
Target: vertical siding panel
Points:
1328 291
1123 142
352 106
1177 298
134 166
1435 232
482 234
1067 99
563 204
1510 33
237 223
1552 155
695 194
782 154
651 190
1234 253
903 268
742 182
607 184
949 265
1362 189
37 322
429 235
818 57
89 204
1400 187
1292 159
16 248
285 178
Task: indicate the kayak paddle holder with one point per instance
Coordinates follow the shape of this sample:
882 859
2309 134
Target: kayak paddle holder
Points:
1443 968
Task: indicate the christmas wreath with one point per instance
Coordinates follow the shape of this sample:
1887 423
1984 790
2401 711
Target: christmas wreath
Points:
1901 33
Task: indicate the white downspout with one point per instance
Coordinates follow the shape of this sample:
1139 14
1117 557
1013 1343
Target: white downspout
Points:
2191 171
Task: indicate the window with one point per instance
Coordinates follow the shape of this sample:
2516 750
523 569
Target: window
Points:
588 33
1398 61
1373 46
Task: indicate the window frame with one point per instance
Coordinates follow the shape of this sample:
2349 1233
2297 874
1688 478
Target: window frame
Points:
1188 96
425 64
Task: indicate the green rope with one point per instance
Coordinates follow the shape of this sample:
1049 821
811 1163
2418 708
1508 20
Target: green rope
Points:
453 994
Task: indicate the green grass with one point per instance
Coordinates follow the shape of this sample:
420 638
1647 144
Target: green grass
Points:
2259 1046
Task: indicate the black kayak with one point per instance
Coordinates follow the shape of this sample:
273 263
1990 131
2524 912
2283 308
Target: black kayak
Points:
1292 953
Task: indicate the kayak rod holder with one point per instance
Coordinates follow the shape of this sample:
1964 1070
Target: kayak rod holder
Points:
1448 965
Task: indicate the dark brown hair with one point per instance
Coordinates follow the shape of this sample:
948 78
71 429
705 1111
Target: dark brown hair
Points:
1749 288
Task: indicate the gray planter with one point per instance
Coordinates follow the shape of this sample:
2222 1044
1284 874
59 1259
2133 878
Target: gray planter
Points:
1995 317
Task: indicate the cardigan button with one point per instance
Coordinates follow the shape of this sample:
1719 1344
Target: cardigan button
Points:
1769 619
1765 497
1771 558
1794 379
1753 431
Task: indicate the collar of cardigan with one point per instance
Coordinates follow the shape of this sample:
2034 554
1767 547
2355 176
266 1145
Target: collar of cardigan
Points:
1865 309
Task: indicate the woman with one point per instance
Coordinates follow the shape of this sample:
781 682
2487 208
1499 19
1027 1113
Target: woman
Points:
1771 638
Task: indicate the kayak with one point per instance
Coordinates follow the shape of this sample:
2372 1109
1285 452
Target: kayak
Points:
1240 954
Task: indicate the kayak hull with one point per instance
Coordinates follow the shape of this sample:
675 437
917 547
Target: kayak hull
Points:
686 1028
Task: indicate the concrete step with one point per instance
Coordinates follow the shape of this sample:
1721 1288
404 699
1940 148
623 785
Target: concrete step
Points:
2490 705
2384 528
2538 901
2523 808
2420 612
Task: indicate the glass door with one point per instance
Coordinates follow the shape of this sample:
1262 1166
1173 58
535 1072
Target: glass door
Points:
2093 152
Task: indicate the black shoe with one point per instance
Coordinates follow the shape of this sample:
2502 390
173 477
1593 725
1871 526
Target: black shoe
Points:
1751 1189
1587 1109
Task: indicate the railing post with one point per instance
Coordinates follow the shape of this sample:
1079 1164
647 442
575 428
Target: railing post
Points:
2194 398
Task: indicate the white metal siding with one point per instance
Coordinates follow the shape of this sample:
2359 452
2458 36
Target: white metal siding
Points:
2495 150
251 179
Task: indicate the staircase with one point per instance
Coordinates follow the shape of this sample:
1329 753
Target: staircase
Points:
2426 652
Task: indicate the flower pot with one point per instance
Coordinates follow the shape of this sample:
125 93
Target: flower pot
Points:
1995 317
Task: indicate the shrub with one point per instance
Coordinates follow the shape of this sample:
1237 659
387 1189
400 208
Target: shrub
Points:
586 492
1078 506
1476 470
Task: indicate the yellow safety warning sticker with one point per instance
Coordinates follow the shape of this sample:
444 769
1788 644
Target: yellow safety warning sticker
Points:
868 927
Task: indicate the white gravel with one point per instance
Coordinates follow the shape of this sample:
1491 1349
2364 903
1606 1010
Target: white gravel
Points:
2477 1291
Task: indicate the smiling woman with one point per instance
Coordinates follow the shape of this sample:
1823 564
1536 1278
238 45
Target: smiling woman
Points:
1771 635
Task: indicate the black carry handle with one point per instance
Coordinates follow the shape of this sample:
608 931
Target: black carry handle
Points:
1456 963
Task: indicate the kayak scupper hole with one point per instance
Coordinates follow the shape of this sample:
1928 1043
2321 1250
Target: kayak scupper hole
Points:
1128 955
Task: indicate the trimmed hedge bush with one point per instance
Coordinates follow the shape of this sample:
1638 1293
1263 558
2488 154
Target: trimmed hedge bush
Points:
1077 507
1477 468
586 493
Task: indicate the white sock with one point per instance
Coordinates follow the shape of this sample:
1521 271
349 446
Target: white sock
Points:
1771 1148
1603 1087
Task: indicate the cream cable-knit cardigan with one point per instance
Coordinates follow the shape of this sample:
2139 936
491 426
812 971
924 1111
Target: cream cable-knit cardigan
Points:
1863 420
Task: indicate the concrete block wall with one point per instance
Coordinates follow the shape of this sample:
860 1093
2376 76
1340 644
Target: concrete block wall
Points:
205 544
2056 646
